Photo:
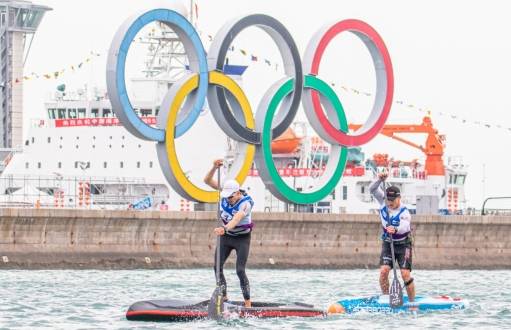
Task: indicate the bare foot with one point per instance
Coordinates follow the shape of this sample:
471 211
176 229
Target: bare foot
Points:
248 303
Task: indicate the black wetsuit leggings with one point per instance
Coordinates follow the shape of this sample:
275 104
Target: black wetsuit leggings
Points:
241 244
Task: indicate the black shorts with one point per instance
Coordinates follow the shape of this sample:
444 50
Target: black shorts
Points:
402 253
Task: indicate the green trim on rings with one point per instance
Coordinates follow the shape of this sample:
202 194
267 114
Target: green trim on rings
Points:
264 158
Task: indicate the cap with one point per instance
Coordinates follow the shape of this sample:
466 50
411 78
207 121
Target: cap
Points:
229 188
392 193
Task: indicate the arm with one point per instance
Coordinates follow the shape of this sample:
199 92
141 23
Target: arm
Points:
376 190
404 223
208 179
245 209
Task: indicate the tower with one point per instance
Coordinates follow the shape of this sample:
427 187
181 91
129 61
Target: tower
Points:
18 22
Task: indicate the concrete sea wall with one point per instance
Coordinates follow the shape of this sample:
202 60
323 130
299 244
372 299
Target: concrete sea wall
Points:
38 238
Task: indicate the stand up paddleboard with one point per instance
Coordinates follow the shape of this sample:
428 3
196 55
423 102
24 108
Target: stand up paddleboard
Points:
381 304
180 311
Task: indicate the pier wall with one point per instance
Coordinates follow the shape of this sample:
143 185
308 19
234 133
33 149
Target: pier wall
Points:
40 239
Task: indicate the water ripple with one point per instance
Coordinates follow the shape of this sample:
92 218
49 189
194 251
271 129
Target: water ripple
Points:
92 299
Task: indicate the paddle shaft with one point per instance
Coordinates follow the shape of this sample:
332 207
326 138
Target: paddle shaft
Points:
218 237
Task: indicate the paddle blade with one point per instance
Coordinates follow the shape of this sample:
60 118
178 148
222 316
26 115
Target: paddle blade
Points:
216 305
396 294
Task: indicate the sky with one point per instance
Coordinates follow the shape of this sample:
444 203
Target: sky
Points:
449 57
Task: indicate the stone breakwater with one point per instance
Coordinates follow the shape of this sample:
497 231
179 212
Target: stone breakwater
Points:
43 239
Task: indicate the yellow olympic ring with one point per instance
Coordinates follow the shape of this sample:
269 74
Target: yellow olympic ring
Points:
190 85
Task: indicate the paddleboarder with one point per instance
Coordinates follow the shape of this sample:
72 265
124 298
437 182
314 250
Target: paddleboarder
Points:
395 219
235 213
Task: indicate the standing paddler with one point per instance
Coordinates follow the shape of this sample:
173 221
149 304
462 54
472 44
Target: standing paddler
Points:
395 220
235 213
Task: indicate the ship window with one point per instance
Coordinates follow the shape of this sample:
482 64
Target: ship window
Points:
106 112
138 164
39 165
72 113
450 179
363 189
49 139
26 165
88 164
146 112
344 193
76 164
122 164
157 111
104 164
94 112
33 139
61 113
51 113
81 113
459 179
60 165
150 164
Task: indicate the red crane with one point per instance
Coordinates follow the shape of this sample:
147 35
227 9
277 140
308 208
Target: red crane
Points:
434 148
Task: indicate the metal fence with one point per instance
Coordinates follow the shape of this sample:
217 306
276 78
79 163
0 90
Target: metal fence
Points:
78 192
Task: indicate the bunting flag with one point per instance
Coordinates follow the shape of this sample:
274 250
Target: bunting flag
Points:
58 73
243 52
254 58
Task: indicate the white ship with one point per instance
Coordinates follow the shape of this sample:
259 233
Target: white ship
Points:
79 156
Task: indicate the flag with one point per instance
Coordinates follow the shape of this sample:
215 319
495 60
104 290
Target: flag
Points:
231 48
80 65
47 76
254 58
56 74
243 52
210 37
267 62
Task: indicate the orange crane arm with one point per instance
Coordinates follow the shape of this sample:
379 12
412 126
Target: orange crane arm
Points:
434 148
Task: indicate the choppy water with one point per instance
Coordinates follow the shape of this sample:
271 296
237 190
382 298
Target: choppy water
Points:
92 299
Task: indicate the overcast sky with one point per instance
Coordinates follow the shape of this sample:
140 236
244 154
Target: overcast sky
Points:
451 57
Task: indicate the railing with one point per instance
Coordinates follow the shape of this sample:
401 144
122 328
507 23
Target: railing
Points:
77 192
493 211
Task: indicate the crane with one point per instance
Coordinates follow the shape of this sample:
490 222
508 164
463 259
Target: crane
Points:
434 148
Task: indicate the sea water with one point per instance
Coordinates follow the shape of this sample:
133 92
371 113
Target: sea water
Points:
98 299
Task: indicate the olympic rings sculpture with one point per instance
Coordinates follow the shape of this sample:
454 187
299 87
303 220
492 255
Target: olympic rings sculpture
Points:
232 110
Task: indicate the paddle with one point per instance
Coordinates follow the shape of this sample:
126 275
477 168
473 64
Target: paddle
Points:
216 306
396 290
